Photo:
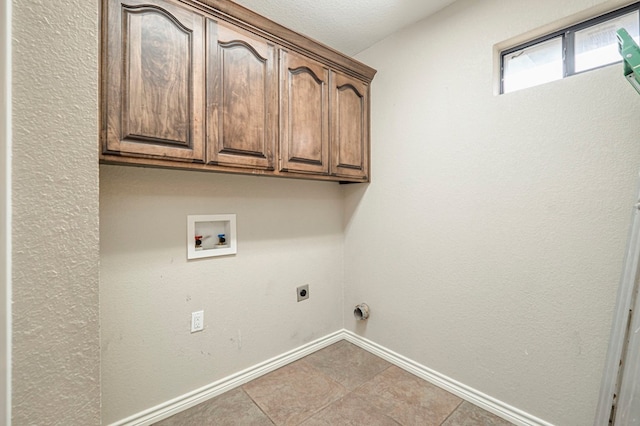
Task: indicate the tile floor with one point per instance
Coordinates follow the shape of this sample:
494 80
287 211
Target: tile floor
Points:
338 385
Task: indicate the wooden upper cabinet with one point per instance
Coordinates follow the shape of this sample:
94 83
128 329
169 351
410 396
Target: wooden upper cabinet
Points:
350 128
153 82
242 102
304 114
209 85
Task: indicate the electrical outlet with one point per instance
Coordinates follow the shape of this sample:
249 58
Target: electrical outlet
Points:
197 321
303 292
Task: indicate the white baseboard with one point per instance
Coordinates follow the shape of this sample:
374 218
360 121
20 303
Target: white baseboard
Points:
471 395
188 400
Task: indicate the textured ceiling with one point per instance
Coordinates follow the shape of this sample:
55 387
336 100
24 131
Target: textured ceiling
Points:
349 26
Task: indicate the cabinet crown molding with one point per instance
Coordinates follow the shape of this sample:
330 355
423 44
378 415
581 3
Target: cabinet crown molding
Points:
265 27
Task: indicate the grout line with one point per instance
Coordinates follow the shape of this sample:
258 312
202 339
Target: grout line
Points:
452 411
318 372
256 404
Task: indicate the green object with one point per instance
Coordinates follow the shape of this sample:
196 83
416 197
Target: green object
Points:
631 58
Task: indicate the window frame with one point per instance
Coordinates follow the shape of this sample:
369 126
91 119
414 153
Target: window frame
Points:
567 35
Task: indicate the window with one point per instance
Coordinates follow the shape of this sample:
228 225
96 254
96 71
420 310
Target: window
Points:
573 50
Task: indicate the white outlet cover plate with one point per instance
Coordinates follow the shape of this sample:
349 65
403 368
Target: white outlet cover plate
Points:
197 321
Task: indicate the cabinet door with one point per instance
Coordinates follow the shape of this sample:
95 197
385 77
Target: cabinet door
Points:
154 80
350 127
304 114
241 99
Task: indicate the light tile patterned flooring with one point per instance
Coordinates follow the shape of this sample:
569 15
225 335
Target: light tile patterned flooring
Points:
338 385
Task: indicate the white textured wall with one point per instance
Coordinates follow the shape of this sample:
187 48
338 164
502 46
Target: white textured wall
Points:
55 213
5 191
490 242
289 234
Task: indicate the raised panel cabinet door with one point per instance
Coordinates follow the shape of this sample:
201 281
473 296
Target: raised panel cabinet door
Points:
241 99
304 114
350 126
154 80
